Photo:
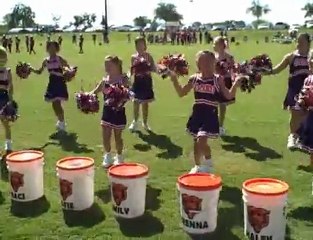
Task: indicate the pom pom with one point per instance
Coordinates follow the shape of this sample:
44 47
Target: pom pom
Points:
87 103
251 79
23 70
117 95
69 73
141 66
176 63
222 67
261 63
10 111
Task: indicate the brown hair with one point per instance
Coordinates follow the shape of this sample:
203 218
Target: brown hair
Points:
116 60
140 39
51 43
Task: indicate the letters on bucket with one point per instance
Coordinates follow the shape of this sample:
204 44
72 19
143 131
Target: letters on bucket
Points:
265 208
26 175
199 194
76 179
128 189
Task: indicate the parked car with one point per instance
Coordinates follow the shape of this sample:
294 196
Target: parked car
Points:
295 26
160 29
135 29
281 26
264 26
124 28
309 24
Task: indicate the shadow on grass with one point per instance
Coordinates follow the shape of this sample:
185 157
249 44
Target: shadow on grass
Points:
302 214
288 234
68 142
241 144
308 169
152 197
86 218
142 147
30 209
162 142
145 226
4 173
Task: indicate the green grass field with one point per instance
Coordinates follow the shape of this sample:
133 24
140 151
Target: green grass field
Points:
256 147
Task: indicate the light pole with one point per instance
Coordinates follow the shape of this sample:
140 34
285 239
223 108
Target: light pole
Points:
106 27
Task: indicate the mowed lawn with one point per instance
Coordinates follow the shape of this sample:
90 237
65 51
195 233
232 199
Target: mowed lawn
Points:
255 147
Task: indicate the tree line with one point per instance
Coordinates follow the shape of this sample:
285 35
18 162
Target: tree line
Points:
23 16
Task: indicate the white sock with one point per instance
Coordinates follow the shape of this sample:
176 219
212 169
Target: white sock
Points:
208 162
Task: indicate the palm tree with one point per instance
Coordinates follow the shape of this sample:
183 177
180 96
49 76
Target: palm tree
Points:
308 8
258 10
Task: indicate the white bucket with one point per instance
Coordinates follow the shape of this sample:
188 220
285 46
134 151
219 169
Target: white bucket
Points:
26 175
265 202
199 196
76 176
128 189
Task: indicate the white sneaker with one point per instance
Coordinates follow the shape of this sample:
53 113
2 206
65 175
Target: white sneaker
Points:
133 126
195 169
222 131
8 145
146 127
292 142
107 160
119 159
200 169
61 126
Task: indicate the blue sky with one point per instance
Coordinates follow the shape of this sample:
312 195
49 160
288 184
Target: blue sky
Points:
124 11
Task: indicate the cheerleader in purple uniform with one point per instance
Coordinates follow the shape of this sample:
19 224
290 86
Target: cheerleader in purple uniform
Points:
203 122
223 58
142 85
57 88
298 72
113 120
6 95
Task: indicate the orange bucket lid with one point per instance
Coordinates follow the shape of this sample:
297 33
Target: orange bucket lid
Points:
75 163
24 156
200 181
129 170
265 186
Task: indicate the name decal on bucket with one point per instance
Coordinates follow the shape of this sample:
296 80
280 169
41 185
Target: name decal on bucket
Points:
66 188
258 218
17 181
119 193
253 236
195 225
119 210
67 205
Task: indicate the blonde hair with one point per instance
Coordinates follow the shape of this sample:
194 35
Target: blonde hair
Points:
115 60
222 40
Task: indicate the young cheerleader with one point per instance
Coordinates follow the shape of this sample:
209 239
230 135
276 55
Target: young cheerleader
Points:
6 95
220 45
305 131
113 120
142 85
298 72
57 89
203 122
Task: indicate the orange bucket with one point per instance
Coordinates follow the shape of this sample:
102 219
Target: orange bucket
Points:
76 176
26 175
265 201
128 189
198 197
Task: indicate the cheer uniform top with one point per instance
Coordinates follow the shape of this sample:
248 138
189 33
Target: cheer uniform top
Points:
204 118
305 131
299 71
4 83
143 84
113 118
56 89
227 78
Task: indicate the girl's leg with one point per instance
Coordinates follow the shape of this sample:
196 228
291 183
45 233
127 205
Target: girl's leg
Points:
59 113
106 139
296 118
134 125
145 114
7 130
222 114
119 144
206 153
